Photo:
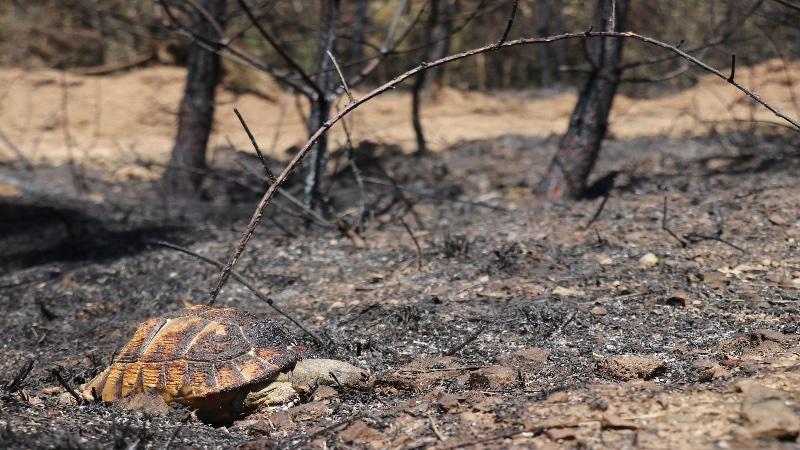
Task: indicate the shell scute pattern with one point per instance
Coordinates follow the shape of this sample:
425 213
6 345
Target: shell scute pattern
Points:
197 352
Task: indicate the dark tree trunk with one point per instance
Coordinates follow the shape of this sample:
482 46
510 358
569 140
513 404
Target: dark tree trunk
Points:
316 173
543 29
442 45
195 117
559 53
359 28
567 175
419 80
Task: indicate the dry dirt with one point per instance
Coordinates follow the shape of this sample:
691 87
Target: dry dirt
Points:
514 325
112 121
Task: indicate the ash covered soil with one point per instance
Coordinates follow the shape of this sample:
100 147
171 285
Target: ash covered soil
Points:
515 324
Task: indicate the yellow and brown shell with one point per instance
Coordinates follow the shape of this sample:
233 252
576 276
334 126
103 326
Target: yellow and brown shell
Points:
197 356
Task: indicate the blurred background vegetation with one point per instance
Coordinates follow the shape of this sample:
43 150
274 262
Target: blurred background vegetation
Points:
85 33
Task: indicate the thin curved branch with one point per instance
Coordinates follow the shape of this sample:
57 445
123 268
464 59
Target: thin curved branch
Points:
350 107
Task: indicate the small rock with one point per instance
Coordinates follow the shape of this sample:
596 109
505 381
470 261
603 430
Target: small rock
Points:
718 163
51 390
324 392
777 219
737 343
531 359
765 349
560 291
612 422
558 434
715 280
630 367
359 433
766 414
492 378
450 402
308 411
598 311
678 298
558 397
775 336
35 401
598 404
648 260
711 370
66 399
281 420
423 373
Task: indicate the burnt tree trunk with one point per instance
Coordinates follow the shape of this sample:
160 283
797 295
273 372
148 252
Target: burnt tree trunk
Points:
419 79
316 173
569 170
543 29
196 114
359 29
442 45
559 52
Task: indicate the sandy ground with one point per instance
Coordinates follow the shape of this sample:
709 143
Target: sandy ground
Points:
112 120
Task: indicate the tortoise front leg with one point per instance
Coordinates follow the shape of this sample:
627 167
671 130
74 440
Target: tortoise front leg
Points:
272 394
310 373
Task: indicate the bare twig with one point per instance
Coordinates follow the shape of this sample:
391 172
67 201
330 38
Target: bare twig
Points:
694 238
733 68
308 213
510 23
453 350
241 280
172 437
788 5
66 386
20 377
435 428
341 76
267 170
598 212
106 69
664 225
350 107
416 243
16 150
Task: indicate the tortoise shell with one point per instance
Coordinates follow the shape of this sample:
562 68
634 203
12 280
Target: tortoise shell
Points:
197 354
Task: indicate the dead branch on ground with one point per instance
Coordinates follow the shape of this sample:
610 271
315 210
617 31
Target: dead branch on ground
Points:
693 238
20 377
416 243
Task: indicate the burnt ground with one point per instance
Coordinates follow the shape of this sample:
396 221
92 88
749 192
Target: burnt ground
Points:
515 325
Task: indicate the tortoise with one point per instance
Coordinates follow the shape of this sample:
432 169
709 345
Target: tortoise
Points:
222 362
